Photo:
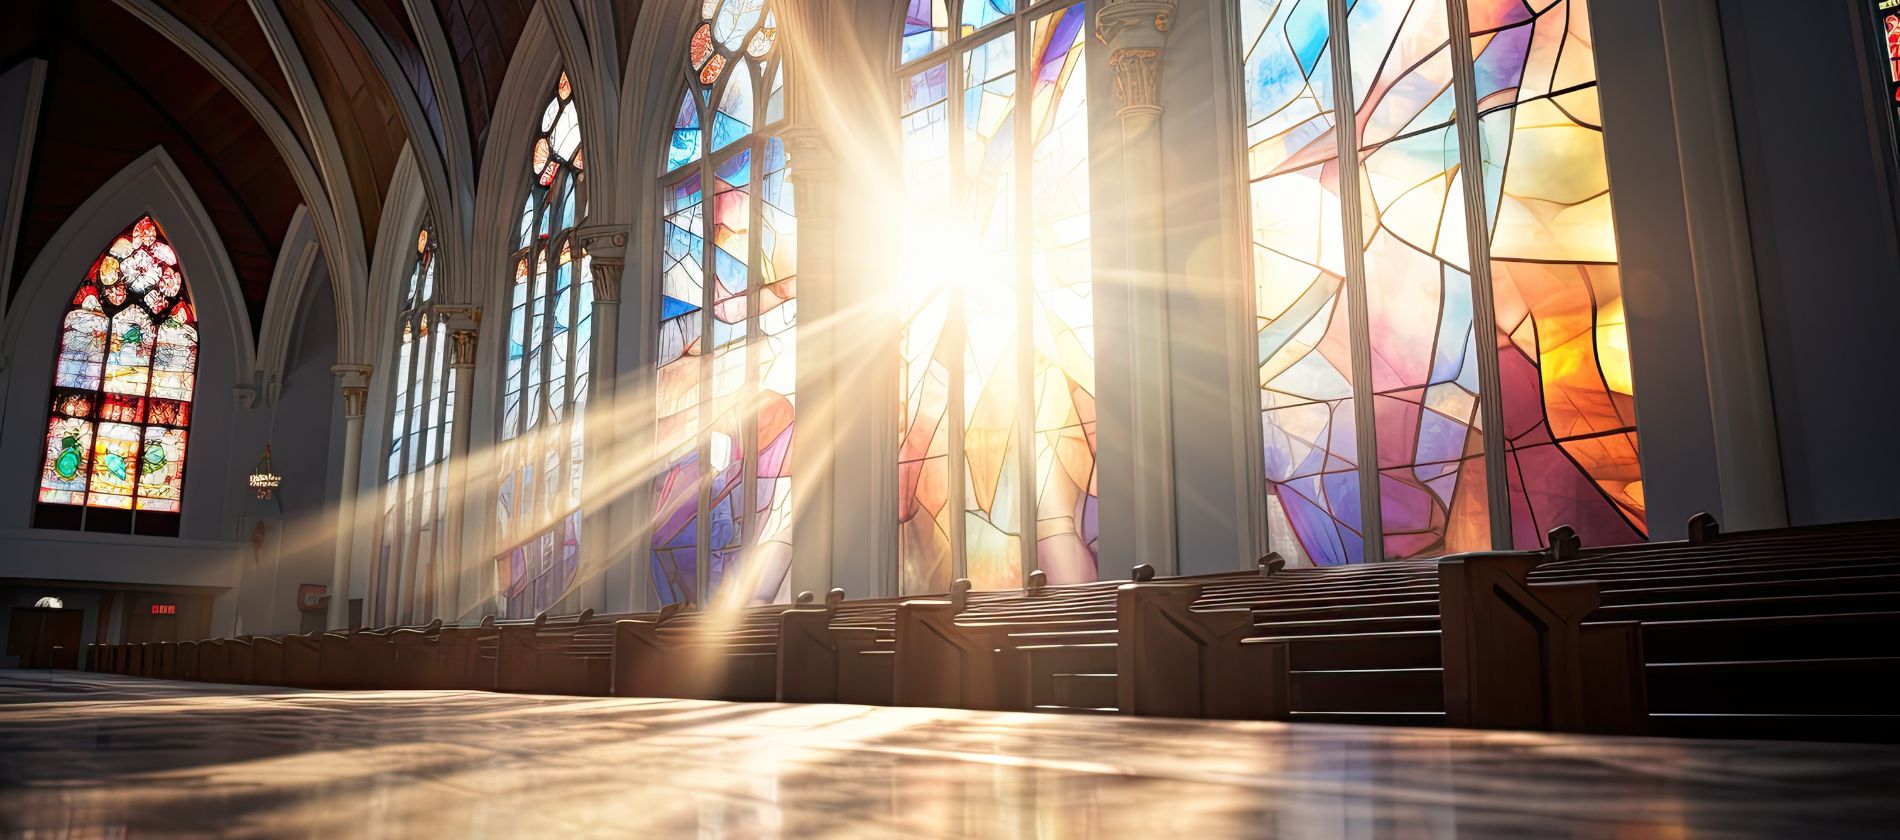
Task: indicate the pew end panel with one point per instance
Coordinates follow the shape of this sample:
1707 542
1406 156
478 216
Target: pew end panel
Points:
1175 661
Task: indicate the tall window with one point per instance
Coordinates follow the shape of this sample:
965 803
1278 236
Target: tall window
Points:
997 421
545 377
422 419
724 387
122 388
1370 291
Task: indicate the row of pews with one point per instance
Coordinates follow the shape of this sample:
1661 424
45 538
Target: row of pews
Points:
1790 633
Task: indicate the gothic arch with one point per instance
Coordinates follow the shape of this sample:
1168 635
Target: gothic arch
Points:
227 356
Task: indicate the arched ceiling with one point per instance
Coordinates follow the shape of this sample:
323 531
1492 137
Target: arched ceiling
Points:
115 89
116 86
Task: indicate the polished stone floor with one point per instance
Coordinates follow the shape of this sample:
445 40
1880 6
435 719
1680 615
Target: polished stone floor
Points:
87 755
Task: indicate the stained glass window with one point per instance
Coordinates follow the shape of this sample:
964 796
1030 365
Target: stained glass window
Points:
726 364
997 415
422 418
122 393
545 379
1886 53
1369 291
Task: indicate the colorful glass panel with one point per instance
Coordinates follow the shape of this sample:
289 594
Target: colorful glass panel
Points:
1063 315
405 582
925 546
1569 405
926 29
1570 444
997 351
539 462
722 501
123 385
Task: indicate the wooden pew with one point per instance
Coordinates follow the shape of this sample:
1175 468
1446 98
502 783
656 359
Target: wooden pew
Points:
719 654
1051 648
558 655
1789 633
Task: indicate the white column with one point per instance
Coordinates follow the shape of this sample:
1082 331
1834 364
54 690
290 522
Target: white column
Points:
452 601
1747 448
828 500
355 383
1136 34
603 477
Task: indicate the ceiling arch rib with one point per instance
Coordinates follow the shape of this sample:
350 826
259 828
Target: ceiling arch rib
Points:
310 184
350 264
408 90
459 149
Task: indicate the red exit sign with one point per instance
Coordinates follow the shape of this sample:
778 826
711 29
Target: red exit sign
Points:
164 609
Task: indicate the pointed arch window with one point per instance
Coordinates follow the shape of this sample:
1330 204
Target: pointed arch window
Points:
545 373
1388 331
996 446
422 420
724 383
122 393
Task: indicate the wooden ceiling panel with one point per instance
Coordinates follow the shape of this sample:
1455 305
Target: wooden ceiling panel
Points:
482 34
114 90
361 111
231 25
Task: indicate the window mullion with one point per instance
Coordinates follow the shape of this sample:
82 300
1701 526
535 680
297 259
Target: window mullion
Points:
708 294
953 333
1345 111
749 526
1024 162
1483 294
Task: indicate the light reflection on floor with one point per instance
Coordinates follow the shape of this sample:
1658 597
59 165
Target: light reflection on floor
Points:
93 755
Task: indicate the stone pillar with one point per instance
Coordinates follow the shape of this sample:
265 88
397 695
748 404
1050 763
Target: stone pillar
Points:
354 380
454 590
1747 444
603 533
826 499
1136 34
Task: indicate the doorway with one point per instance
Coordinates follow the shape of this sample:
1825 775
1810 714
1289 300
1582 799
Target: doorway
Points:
45 637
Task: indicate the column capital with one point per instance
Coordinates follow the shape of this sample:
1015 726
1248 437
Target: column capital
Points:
1136 32
355 382
606 247
810 150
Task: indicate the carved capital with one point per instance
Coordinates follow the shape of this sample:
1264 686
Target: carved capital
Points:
462 348
246 396
1137 79
355 401
809 149
464 324
608 242
355 382
607 279
606 246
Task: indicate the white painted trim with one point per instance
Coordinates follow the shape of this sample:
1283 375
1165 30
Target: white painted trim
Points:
341 235
349 269
21 167
296 261
424 147
405 206
151 184
457 217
